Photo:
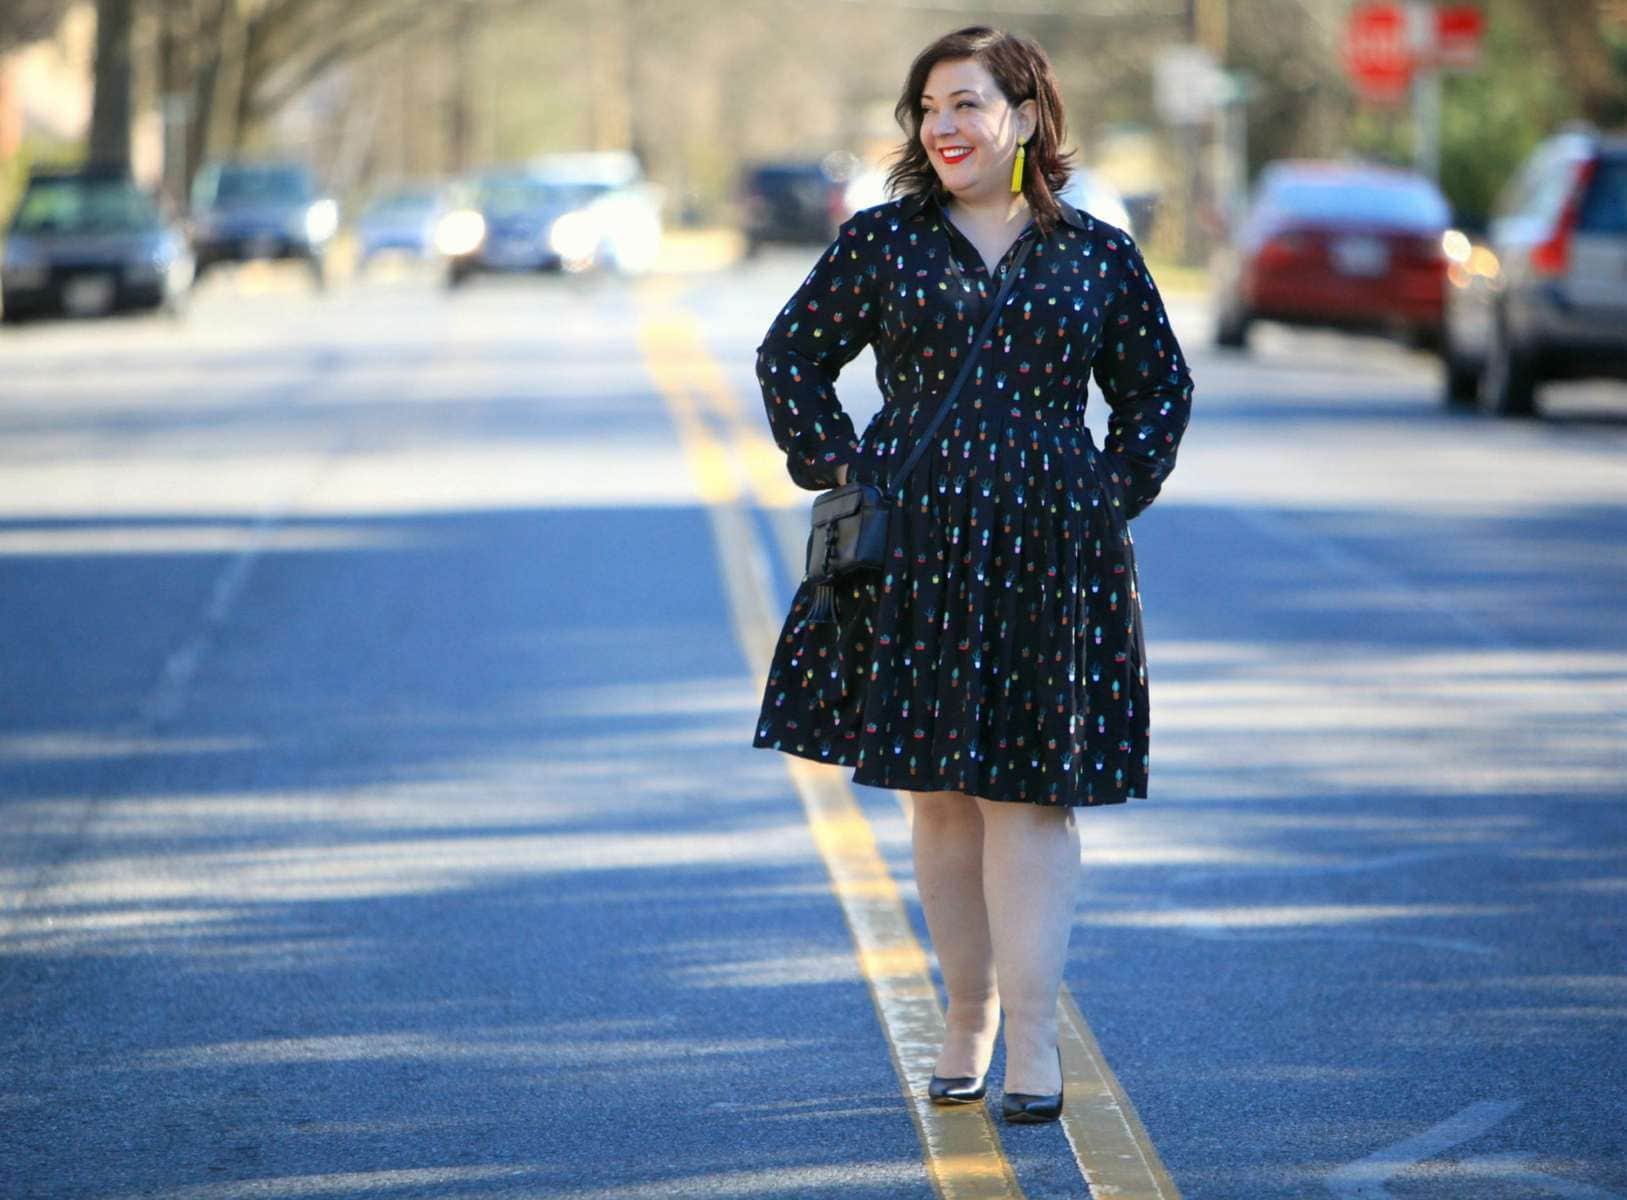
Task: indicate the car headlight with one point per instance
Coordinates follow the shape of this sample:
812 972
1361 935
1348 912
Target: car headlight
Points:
574 237
21 255
321 220
460 232
24 266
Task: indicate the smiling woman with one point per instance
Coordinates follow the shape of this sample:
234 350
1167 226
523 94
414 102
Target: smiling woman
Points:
993 666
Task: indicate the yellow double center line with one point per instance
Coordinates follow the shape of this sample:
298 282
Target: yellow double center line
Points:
731 459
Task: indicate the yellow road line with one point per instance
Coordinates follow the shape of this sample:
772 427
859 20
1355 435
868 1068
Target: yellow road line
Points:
964 1156
1109 1142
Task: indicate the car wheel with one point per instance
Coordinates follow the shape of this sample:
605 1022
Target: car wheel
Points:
11 316
1231 329
1424 337
1508 385
1460 380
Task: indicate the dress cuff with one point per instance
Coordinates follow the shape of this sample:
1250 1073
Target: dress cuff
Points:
819 474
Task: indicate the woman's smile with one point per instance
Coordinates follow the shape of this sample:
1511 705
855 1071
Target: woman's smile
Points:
954 154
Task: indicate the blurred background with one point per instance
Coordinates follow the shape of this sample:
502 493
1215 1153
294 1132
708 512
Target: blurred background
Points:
1175 103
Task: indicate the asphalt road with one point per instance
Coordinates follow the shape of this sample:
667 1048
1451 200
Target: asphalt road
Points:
378 816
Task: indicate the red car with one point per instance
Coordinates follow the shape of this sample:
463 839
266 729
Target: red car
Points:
1341 245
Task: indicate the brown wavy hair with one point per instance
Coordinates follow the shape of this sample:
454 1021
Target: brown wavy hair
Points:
1023 72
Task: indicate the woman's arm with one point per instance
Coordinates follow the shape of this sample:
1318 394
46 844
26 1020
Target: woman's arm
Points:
1143 375
830 319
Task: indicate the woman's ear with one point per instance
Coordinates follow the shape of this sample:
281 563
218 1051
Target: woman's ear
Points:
1027 119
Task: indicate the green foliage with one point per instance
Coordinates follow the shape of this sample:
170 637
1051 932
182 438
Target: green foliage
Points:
1490 118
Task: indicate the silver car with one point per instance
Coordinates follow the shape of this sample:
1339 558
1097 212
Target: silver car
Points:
1545 297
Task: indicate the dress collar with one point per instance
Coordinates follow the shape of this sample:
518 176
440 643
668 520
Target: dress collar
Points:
917 203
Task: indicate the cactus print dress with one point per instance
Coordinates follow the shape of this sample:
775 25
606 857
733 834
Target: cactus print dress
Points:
1000 650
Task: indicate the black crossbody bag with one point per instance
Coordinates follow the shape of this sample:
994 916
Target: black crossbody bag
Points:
850 522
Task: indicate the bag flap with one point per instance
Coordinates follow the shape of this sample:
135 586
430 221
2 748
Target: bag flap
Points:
842 502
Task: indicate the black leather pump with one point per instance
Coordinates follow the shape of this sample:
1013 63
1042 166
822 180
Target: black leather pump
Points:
958 1089
1031 1108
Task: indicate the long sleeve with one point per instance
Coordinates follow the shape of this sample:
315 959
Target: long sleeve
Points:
827 322
1144 378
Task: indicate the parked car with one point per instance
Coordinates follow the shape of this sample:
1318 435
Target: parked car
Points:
550 216
801 201
506 224
400 222
243 211
1545 296
618 223
1339 245
88 242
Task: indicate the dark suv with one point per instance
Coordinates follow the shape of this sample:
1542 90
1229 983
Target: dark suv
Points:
244 211
791 202
1546 297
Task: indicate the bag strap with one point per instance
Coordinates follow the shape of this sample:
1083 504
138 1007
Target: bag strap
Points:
983 335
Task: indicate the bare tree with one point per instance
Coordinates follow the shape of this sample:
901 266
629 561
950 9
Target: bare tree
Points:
23 21
110 109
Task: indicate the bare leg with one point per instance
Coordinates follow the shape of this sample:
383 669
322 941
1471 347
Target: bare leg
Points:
947 836
1030 881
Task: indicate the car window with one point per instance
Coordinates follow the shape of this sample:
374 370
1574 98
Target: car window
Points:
785 179
1354 199
511 197
240 187
575 195
1605 208
406 205
516 197
1511 200
85 206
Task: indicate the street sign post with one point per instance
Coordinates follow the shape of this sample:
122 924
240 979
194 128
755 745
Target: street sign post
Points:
1378 53
1396 50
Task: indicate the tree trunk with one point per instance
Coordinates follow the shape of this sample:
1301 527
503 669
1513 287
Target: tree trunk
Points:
226 103
110 109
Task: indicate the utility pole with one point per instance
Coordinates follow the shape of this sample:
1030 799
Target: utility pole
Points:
174 101
1426 88
459 123
611 50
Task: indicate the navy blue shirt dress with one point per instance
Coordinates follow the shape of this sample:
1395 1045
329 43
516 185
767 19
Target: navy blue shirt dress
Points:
1000 651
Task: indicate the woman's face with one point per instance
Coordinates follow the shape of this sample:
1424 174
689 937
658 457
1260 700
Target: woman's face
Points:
970 131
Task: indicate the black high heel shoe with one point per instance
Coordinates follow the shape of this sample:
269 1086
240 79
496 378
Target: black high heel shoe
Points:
958 1089
1031 1108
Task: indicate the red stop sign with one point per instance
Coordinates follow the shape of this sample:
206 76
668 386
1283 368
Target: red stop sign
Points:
1458 34
1378 53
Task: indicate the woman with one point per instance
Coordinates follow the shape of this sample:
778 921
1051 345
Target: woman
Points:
995 667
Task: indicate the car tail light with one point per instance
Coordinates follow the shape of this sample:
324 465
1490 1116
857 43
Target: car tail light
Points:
1552 257
1422 251
1283 248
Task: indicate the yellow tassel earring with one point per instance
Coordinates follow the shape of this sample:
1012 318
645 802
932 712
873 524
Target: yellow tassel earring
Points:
1017 169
